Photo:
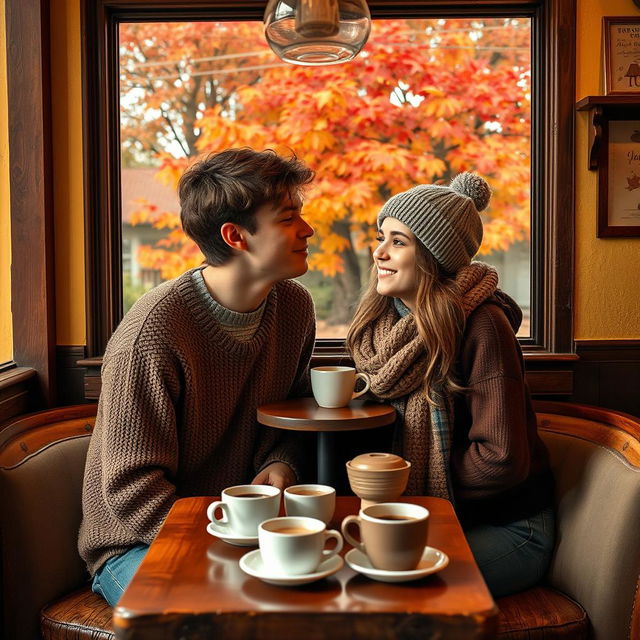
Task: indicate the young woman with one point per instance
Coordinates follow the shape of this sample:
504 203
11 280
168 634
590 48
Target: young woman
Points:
437 337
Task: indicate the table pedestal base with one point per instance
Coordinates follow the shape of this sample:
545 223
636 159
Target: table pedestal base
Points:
325 470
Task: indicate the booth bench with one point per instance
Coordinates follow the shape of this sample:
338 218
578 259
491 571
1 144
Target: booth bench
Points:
592 589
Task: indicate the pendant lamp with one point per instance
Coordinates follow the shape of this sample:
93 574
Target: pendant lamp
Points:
317 32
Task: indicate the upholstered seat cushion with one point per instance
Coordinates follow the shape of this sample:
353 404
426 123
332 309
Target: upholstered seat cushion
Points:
81 615
537 614
541 613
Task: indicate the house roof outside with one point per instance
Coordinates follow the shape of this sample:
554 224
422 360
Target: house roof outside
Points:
140 182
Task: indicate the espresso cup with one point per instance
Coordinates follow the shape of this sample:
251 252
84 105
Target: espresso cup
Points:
310 500
295 545
393 535
244 507
334 386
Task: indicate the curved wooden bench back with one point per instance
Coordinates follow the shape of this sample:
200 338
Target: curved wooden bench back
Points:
42 458
595 457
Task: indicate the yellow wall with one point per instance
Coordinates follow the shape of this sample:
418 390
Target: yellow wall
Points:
607 294
607 270
6 350
67 171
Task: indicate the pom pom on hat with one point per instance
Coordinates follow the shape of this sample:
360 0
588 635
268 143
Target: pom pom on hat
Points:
474 187
444 219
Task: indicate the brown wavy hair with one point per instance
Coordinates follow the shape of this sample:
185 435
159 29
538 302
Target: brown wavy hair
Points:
439 317
230 186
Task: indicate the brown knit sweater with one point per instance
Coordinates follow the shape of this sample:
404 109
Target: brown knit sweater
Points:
177 412
500 466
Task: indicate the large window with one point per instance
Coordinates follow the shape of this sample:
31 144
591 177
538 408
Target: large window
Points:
426 99
437 90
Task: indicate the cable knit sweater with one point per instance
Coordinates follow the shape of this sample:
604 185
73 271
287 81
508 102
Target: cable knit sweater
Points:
177 412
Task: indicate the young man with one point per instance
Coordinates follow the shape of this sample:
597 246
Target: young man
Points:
189 364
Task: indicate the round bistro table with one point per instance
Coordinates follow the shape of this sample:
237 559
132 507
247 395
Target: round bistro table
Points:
304 414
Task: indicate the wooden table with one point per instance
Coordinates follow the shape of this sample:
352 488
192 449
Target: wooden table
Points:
190 586
304 414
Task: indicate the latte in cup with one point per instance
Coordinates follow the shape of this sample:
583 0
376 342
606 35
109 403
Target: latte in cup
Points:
244 507
295 531
296 545
305 492
311 501
392 535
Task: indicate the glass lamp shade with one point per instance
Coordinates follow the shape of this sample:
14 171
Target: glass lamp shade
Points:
317 32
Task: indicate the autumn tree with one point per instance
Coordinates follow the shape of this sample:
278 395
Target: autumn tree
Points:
425 100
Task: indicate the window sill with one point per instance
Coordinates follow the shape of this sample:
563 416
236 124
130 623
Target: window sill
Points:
15 386
547 374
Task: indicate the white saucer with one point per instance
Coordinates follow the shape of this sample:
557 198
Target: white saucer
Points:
251 563
232 538
432 560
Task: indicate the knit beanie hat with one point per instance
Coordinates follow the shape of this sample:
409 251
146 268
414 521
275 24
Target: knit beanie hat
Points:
444 219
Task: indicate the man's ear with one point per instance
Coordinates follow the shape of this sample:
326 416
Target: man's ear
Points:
234 236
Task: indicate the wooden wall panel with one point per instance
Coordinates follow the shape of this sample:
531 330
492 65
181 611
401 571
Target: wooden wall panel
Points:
608 374
70 375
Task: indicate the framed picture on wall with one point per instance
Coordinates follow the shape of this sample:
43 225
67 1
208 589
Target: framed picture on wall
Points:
619 180
621 38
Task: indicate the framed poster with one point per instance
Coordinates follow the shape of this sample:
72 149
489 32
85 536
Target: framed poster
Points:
621 55
619 183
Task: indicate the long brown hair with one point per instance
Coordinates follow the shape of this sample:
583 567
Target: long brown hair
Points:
439 319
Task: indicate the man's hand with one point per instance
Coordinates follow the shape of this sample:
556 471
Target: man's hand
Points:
277 474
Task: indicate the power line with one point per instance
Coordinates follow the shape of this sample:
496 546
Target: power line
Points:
226 56
214 72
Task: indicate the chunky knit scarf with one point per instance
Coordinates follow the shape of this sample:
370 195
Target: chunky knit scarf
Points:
391 352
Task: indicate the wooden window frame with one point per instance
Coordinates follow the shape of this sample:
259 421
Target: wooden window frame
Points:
31 185
553 39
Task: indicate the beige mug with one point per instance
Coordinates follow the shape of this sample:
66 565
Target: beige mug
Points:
333 387
393 535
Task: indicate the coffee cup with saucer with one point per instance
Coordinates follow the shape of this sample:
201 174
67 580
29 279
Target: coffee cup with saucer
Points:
292 551
236 516
392 535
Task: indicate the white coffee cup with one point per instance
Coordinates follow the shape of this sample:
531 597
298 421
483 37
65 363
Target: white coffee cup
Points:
333 386
310 500
295 545
244 507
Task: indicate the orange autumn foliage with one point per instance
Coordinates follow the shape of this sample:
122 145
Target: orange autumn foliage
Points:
425 100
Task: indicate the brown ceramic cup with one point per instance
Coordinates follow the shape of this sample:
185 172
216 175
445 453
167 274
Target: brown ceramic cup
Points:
378 477
393 535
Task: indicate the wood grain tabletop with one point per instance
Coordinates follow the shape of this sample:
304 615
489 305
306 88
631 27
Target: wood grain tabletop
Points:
190 586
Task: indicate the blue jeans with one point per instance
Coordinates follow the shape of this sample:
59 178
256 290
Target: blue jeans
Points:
515 556
113 577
